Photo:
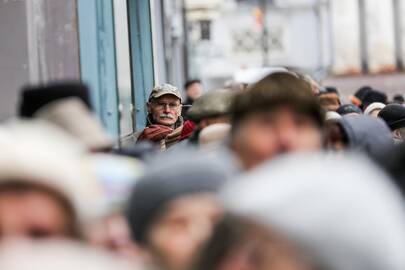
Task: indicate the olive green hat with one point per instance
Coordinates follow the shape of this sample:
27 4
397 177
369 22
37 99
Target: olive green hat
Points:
211 104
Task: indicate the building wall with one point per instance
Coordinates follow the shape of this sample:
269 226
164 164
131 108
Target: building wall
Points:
39 44
318 36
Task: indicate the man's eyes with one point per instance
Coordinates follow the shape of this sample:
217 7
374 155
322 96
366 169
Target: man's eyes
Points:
168 104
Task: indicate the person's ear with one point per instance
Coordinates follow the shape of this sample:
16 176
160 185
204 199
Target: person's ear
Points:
397 134
149 107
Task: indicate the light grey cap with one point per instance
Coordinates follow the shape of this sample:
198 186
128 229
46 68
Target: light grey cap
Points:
342 212
164 89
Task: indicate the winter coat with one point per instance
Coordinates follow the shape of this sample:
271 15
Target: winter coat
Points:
367 134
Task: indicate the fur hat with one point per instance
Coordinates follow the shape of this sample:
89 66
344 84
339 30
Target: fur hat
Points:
34 98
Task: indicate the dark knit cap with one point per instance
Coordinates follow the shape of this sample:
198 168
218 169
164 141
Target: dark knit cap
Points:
160 186
393 115
34 98
399 99
360 94
374 96
348 108
331 89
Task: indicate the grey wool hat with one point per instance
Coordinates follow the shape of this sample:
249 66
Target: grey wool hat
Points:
211 104
342 212
161 185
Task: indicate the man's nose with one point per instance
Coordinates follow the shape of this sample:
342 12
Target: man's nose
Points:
286 137
166 108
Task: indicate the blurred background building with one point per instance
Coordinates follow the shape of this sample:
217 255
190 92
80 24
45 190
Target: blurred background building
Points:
323 37
121 48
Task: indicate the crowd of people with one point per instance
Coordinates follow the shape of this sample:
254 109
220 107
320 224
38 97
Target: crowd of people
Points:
277 174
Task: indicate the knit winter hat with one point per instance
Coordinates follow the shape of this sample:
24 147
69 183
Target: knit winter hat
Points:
393 115
173 179
35 97
348 108
373 96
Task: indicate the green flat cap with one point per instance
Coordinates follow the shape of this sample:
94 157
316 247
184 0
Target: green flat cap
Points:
211 104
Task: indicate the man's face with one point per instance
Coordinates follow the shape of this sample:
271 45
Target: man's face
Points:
185 225
194 91
31 214
264 135
165 110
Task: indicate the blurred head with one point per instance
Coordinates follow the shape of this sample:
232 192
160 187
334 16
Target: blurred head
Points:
361 133
194 89
172 212
239 244
329 101
33 210
372 96
277 115
349 109
181 229
394 116
358 97
399 99
212 108
340 212
66 105
335 137
374 109
61 255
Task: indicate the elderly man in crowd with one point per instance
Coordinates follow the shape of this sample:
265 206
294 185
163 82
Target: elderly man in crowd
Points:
164 122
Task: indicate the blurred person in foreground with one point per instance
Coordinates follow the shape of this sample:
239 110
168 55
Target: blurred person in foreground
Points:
67 106
194 90
164 121
58 254
328 212
394 116
173 209
50 186
277 115
42 183
362 133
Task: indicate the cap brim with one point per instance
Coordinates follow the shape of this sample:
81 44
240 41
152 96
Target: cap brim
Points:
158 95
